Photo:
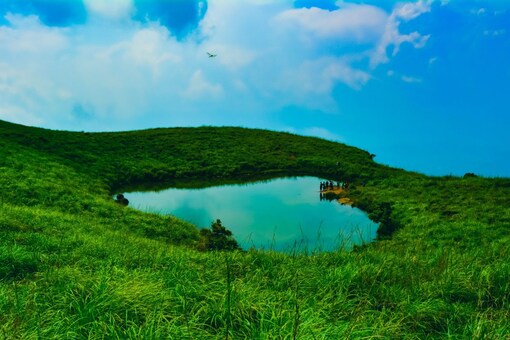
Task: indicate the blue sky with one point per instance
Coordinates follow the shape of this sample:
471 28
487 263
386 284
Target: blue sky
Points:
424 84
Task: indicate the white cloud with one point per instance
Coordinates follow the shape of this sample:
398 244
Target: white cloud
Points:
111 9
25 95
411 10
311 83
18 115
123 72
479 11
411 80
26 89
28 35
65 68
393 37
404 78
149 47
360 23
198 87
494 33
230 55
319 76
317 79
240 86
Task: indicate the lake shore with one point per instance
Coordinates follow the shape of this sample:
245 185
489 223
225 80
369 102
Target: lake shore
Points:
340 194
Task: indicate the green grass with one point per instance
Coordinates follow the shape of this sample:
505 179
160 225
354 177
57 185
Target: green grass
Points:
74 264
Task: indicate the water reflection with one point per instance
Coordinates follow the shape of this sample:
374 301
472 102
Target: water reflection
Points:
277 214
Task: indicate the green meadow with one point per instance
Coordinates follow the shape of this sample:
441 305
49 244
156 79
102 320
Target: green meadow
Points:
76 264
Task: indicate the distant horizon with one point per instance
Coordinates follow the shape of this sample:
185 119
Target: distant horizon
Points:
421 84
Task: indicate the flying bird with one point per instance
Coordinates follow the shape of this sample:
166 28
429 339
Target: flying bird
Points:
210 55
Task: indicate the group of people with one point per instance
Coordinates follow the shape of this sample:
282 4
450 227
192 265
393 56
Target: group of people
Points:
330 185
326 185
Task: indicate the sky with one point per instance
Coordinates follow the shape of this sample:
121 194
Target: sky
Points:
424 85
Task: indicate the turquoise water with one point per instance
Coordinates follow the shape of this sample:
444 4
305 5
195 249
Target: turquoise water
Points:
279 214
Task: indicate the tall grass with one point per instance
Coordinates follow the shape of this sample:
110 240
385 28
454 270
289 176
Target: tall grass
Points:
74 264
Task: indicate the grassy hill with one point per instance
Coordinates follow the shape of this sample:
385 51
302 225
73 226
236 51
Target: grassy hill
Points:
74 264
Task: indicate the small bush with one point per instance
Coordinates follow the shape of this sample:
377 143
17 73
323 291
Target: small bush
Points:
217 238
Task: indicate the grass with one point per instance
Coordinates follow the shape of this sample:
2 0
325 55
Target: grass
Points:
74 264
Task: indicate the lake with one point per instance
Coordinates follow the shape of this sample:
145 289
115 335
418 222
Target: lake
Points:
279 214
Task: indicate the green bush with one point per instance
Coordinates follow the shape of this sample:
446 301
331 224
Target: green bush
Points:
217 238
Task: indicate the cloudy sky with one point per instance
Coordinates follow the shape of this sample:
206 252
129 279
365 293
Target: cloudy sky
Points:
422 84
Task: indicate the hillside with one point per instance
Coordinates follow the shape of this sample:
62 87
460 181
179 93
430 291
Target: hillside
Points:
73 263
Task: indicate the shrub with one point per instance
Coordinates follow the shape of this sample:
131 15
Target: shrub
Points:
217 238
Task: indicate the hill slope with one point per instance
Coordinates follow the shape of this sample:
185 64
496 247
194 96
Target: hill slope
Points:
75 264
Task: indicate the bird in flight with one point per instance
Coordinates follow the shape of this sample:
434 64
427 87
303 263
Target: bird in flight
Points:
210 55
